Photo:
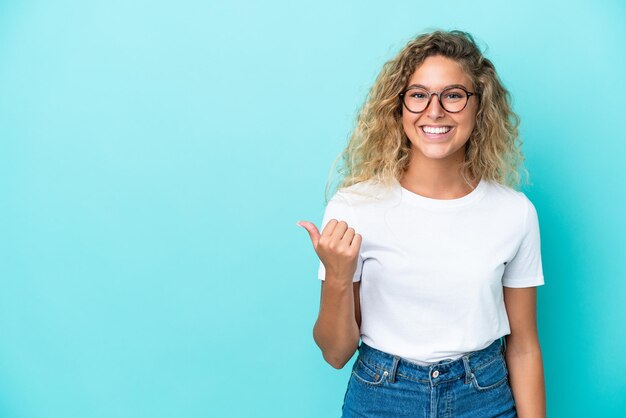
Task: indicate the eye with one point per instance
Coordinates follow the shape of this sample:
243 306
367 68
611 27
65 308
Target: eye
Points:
417 94
454 95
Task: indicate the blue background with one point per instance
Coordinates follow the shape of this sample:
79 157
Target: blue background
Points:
155 157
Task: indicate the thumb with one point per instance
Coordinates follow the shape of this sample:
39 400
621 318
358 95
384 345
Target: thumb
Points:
312 230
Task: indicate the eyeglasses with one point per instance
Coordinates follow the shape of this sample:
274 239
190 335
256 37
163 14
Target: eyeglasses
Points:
453 99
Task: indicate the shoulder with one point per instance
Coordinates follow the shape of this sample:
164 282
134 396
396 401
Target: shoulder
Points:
363 192
508 194
514 201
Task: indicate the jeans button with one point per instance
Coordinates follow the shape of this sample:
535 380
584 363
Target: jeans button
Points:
436 373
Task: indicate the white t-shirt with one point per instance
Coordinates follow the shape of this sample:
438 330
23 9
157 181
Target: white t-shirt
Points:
432 270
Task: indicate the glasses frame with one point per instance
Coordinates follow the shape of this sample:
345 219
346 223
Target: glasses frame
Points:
438 94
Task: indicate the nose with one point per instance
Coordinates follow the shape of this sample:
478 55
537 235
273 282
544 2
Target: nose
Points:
434 109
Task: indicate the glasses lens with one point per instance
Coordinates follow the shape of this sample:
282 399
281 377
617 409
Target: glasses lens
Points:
416 99
453 99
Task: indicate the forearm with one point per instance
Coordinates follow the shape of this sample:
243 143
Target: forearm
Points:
336 331
527 382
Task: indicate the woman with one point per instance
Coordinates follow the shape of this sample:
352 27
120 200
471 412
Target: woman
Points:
427 252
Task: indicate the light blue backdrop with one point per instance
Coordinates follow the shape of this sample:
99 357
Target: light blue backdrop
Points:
155 156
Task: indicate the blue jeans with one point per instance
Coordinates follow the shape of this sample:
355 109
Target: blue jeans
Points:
475 385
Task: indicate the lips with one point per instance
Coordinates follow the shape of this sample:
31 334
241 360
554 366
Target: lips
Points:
436 132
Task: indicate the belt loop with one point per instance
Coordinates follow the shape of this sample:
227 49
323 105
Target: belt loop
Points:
394 369
503 344
468 370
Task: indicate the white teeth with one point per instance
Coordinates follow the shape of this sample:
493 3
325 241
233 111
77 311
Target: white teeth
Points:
431 130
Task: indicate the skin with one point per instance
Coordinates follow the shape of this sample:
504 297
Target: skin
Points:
523 353
434 166
433 172
337 329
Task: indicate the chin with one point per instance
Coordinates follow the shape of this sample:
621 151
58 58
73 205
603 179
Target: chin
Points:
437 151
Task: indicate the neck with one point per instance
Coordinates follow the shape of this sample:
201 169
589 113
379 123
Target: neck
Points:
437 179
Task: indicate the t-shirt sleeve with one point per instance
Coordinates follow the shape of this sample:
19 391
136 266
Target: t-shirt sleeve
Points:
338 208
525 269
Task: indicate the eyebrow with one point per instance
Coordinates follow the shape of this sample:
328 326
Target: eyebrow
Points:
446 87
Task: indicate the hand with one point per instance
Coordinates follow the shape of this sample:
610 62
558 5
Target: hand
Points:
337 247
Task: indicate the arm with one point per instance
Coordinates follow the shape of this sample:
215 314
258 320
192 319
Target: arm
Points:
337 329
523 353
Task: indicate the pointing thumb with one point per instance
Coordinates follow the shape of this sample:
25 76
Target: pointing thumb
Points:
312 230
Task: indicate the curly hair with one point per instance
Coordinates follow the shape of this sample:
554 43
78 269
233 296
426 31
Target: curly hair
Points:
378 147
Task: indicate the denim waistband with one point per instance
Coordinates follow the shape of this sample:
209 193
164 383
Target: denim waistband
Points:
440 372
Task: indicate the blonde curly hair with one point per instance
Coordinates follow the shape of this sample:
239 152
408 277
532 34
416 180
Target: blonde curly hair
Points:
379 149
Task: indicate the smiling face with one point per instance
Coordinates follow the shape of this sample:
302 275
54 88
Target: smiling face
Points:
435 133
